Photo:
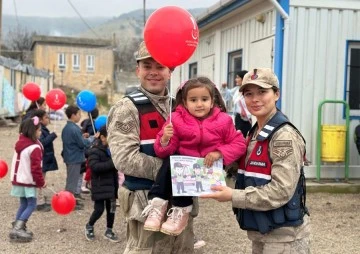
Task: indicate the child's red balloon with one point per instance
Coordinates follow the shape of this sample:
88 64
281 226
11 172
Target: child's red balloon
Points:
171 35
31 91
63 202
55 98
3 168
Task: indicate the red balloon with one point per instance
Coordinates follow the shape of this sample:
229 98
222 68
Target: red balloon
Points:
55 98
3 168
63 202
171 35
31 91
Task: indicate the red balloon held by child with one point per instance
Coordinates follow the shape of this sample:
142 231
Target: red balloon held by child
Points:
3 168
31 91
55 98
63 202
171 35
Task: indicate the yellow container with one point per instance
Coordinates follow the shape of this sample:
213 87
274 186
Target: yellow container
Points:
333 143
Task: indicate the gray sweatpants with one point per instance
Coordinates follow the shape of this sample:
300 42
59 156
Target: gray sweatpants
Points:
72 177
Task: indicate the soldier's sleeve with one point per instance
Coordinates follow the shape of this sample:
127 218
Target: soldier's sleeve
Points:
286 150
124 142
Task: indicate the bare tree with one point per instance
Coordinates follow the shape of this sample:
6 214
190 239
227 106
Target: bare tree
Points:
124 53
19 43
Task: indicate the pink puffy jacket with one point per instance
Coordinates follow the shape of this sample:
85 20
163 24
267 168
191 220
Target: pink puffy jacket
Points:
198 137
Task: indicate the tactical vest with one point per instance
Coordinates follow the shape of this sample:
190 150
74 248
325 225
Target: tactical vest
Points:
257 172
151 122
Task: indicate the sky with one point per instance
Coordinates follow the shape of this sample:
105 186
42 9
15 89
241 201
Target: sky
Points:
91 8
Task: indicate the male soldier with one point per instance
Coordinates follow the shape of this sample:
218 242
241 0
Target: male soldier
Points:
133 123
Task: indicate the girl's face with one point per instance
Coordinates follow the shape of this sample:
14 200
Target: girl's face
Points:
43 106
38 132
45 120
260 101
199 102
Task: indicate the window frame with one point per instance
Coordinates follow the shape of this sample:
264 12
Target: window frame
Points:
232 69
192 67
350 44
90 64
75 66
62 64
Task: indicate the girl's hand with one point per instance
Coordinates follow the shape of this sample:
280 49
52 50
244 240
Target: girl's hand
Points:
222 194
211 157
168 133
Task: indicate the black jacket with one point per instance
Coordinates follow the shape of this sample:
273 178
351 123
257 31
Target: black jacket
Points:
47 139
357 137
104 175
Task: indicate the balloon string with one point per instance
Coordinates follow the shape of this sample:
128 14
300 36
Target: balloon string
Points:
92 122
47 187
170 92
37 105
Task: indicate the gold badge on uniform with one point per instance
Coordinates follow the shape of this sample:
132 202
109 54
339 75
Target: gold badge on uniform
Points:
282 148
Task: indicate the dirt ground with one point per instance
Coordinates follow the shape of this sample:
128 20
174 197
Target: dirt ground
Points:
335 220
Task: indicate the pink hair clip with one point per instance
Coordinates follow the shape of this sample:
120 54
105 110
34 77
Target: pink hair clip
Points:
35 120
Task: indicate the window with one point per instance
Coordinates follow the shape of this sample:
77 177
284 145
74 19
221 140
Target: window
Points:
235 65
90 62
192 70
353 78
61 61
76 62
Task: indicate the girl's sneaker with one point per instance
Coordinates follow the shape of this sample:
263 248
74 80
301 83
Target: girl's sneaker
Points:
89 232
111 236
177 220
155 213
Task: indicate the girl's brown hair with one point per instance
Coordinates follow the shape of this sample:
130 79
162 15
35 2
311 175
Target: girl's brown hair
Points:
196 83
29 126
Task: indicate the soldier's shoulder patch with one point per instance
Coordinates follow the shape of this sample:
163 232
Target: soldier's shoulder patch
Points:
125 127
282 143
282 152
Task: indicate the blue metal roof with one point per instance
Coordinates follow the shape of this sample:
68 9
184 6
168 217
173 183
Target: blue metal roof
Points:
220 12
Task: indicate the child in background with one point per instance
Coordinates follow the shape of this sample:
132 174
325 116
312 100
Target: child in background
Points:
26 176
34 105
49 159
105 185
73 153
200 127
87 128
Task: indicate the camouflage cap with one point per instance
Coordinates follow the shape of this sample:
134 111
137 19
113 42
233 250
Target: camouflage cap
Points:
142 52
263 77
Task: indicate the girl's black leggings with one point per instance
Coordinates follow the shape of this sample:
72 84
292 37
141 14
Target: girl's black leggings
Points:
99 206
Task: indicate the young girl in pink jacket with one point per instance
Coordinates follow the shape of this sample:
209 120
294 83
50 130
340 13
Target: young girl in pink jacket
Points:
199 127
26 176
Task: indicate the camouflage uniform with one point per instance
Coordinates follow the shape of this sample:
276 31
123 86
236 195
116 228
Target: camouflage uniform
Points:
124 143
287 159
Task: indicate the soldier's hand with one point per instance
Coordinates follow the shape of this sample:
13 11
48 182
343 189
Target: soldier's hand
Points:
221 194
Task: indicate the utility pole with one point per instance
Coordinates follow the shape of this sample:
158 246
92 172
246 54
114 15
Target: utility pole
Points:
144 9
0 24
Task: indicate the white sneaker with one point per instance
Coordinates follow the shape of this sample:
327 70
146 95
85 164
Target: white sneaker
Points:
198 243
84 189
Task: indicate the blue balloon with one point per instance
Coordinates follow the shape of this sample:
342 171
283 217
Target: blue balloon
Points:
100 121
86 100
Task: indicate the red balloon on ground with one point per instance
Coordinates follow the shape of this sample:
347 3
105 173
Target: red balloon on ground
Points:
31 91
3 168
55 98
63 202
171 35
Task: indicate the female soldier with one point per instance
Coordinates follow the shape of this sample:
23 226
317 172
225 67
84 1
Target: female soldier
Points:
269 195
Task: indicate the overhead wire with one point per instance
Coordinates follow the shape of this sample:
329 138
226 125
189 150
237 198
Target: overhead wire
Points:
16 15
83 20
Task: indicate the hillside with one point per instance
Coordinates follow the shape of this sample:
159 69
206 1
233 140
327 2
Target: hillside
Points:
49 26
128 25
